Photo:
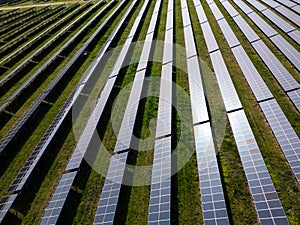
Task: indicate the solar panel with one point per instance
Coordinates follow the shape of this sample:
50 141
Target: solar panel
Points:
56 203
212 195
160 195
245 8
169 24
257 5
278 21
230 9
289 14
295 35
185 17
228 33
287 3
271 3
246 29
107 205
229 94
256 83
286 136
5 204
263 25
209 37
288 50
216 12
283 77
168 51
200 12
296 9
164 115
264 195
189 43
295 98
86 136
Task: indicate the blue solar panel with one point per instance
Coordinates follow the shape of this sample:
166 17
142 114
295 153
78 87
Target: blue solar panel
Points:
5 204
229 94
53 210
164 115
256 83
281 74
230 9
228 33
212 196
111 190
245 8
200 12
216 12
160 195
289 14
264 195
246 29
278 21
288 50
263 25
295 98
286 136
295 35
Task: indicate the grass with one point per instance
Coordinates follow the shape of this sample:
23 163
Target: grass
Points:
186 203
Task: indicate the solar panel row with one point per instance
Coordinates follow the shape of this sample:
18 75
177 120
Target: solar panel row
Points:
271 3
160 195
228 33
295 97
265 198
289 14
278 21
107 205
56 203
5 204
245 28
212 197
287 3
284 133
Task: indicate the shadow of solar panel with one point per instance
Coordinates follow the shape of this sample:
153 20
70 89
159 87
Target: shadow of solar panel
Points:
160 195
106 209
5 204
261 186
286 136
58 199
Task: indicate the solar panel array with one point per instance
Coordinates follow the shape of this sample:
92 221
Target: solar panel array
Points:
263 192
160 195
265 198
281 74
284 133
107 206
56 203
212 197
5 204
273 17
